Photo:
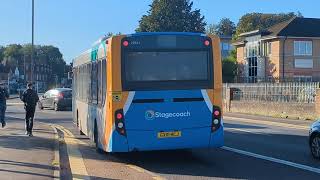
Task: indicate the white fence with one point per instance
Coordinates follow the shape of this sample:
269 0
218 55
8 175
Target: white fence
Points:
273 92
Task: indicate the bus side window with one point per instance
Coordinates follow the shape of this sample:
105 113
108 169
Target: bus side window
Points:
89 81
104 80
80 82
85 81
94 83
99 82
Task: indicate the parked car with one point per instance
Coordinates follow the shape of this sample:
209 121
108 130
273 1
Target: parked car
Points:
57 99
314 139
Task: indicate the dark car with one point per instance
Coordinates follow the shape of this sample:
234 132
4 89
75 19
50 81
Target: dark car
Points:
314 139
57 99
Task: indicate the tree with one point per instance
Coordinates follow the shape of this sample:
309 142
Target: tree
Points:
14 55
212 29
229 67
11 56
260 21
172 16
1 53
224 28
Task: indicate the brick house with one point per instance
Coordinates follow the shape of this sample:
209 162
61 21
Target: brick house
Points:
288 51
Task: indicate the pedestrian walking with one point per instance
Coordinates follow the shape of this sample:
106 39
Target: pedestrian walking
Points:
30 99
4 95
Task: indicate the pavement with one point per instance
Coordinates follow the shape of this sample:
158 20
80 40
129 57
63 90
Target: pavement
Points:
256 147
24 157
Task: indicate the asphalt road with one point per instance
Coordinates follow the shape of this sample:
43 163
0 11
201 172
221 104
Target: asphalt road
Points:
253 150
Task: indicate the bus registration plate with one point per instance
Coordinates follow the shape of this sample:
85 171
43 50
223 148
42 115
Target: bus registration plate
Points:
172 134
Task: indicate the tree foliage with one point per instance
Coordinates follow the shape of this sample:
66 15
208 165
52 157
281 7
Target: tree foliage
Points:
258 21
172 16
212 29
224 28
229 67
1 53
13 55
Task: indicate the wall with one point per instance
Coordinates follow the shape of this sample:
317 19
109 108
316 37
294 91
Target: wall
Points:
273 60
292 110
241 61
275 109
290 70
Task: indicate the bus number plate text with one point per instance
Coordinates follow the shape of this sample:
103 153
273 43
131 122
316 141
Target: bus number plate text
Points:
169 134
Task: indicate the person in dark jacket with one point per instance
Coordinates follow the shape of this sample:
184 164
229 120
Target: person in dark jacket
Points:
30 99
4 95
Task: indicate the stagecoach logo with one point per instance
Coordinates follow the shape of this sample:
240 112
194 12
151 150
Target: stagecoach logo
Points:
150 114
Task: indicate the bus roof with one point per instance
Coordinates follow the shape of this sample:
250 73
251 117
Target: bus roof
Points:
167 33
100 44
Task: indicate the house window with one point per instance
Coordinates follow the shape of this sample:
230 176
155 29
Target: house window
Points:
269 48
303 63
252 53
303 48
226 46
253 68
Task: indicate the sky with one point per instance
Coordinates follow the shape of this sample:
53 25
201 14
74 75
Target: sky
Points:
74 25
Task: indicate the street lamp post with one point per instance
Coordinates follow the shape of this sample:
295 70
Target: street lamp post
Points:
32 44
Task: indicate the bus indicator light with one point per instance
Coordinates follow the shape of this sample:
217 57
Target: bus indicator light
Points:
216 122
206 43
125 43
119 122
216 118
120 125
119 116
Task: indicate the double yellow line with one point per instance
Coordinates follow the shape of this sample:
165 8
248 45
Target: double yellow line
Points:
77 166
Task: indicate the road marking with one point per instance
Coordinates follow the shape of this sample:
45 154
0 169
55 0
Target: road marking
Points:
271 159
77 166
237 129
141 170
56 160
137 168
278 124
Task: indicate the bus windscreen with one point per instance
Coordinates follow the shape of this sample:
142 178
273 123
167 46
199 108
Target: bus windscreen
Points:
167 66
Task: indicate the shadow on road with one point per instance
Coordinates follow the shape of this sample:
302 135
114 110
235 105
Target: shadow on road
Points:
218 163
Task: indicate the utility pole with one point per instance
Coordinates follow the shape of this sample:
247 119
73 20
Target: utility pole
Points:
24 69
32 44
